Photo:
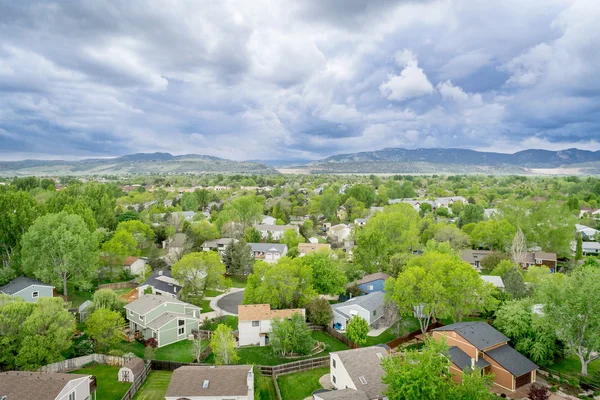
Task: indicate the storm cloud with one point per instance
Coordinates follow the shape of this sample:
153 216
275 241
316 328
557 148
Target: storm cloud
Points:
296 80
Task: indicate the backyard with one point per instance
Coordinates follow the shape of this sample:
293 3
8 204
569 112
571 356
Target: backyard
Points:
109 388
179 351
572 365
264 388
155 386
300 385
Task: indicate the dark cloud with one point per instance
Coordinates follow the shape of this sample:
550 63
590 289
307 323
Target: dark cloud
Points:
273 79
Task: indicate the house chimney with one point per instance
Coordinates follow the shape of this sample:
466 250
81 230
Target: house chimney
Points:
250 381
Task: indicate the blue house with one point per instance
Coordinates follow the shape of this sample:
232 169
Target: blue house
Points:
368 284
28 289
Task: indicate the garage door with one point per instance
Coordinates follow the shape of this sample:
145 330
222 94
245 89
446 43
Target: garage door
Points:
523 380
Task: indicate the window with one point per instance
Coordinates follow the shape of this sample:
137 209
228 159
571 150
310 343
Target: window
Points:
370 287
333 378
333 362
141 317
35 294
181 326
362 380
72 396
374 312
130 313
154 335
254 324
205 384
538 260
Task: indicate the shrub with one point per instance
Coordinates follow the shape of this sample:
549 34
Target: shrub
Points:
151 342
319 311
83 348
115 352
538 392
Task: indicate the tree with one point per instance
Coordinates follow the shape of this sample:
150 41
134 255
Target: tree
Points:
355 209
199 272
328 277
529 333
189 202
579 248
454 236
572 305
291 239
493 234
252 235
328 204
199 232
104 328
238 258
395 230
140 231
59 248
514 284
291 336
45 335
518 247
362 193
199 344
245 210
471 213
117 249
107 298
285 284
223 345
318 311
357 330
13 314
493 260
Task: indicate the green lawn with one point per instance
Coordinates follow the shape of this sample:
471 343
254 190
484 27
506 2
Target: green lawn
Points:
109 388
205 305
410 324
121 292
212 293
77 297
264 388
238 281
300 385
264 355
155 386
179 351
572 365
229 320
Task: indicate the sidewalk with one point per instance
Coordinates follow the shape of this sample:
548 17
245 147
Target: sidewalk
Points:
215 307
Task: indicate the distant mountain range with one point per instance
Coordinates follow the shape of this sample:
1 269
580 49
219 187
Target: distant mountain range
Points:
140 163
391 160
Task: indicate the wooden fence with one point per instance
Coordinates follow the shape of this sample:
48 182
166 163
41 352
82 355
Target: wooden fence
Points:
296 366
139 381
79 362
341 337
118 285
407 338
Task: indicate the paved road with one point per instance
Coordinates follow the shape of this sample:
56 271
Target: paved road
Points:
230 302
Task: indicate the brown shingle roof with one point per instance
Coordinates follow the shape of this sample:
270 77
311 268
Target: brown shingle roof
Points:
222 381
34 385
130 260
257 312
136 365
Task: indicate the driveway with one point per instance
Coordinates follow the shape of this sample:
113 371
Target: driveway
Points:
229 302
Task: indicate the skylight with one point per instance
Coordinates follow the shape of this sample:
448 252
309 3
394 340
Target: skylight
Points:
205 384
362 380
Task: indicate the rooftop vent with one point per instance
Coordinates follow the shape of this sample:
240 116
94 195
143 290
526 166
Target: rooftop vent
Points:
362 380
205 384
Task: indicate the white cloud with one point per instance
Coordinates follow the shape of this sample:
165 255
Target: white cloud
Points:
456 93
412 81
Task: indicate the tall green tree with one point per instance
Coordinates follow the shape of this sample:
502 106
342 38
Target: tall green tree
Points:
13 314
223 345
291 238
189 202
117 249
238 258
291 335
199 232
514 283
59 249
471 213
199 272
107 298
328 276
252 235
572 305
245 210
357 330
579 248
143 234
493 234
363 193
104 328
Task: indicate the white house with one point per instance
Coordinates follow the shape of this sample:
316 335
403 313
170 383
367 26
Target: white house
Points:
46 386
135 265
339 233
223 382
307 248
254 323
369 307
357 370
588 248
276 231
586 232
268 220
269 252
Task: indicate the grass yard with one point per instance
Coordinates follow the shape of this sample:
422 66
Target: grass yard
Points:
410 324
229 320
109 388
572 365
212 293
264 388
77 297
179 351
300 385
238 281
121 292
205 305
155 386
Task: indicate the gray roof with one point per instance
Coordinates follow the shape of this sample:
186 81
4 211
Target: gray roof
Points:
494 280
84 305
281 248
471 256
136 365
513 361
479 334
20 283
161 285
463 361
218 242
369 302
223 381
165 318
178 240
149 302
364 362
20 385
275 228
344 394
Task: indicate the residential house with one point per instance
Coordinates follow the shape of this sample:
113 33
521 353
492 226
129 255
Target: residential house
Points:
586 232
369 307
341 213
223 382
538 259
360 222
135 265
474 257
307 248
488 212
176 244
478 345
269 252
356 370
217 244
374 210
21 385
275 231
162 284
254 322
494 280
370 283
448 201
163 318
339 233
587 212
28 289
588 248
268 220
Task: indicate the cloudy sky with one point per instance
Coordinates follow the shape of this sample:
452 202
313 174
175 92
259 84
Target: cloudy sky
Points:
296 79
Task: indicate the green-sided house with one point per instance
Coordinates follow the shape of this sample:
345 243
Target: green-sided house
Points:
164 318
